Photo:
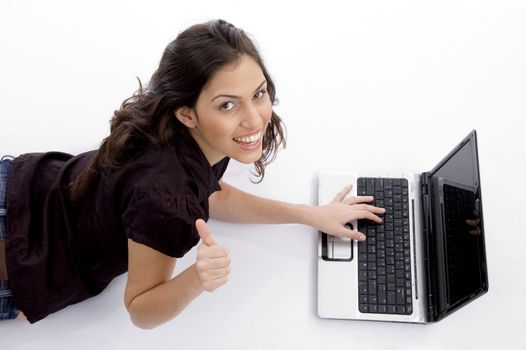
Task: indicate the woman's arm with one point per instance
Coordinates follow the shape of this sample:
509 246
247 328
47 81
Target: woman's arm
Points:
231 204
152 297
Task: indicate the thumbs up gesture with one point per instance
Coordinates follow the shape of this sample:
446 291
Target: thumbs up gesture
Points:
213 261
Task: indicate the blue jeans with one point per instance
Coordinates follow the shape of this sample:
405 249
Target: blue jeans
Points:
8 309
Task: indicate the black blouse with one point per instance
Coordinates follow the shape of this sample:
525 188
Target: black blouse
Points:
59 254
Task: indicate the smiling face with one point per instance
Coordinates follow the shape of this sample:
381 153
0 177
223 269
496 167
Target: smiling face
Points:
231 114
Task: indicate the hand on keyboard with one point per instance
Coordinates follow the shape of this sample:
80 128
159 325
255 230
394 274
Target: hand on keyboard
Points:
332 218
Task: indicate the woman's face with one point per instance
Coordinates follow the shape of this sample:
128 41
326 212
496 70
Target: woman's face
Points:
232 113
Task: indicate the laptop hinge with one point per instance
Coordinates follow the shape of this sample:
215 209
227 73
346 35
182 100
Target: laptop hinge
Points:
429 260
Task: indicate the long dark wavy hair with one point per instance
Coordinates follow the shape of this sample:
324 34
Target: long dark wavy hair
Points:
148 116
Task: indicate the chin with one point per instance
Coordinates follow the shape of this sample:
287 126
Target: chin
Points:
247 158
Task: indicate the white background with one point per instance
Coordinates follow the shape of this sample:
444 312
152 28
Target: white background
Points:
370 85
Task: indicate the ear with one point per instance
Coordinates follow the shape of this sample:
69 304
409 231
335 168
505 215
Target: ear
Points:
186 115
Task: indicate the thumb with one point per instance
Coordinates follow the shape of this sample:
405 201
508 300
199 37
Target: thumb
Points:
204 232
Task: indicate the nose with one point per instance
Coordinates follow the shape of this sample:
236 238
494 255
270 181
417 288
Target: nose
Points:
251 117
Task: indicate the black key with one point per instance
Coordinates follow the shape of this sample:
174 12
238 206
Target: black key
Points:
378 184
372 287
400 310
382 294
373 308
369 186
400 296
361 181
363 308
391 298
362 275
391 309
363 299
362 247
362 288
382 309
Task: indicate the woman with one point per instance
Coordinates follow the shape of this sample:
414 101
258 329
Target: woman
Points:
142 199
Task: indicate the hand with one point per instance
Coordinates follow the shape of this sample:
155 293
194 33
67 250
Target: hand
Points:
213 261
332 218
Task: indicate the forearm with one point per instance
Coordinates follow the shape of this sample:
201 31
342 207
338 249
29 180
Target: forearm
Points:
165 301
234 205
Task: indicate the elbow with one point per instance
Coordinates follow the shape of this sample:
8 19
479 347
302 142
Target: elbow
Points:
141 321
142 318
137 318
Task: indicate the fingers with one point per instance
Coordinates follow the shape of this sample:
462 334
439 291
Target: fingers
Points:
356 235
359 199
344 192
213 260
366 214
204 232
371 208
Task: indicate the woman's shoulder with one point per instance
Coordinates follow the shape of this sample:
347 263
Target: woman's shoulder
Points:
156 169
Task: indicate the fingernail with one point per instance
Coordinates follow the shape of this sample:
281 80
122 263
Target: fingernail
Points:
362 238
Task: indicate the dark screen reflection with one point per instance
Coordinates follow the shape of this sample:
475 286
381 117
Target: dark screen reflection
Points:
459 234
462 242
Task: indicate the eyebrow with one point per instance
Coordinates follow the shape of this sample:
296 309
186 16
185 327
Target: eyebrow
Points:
238 97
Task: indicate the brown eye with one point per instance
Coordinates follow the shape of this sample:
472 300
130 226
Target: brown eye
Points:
259 94
227 106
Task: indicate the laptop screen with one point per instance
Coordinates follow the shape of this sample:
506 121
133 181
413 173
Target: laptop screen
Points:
461 272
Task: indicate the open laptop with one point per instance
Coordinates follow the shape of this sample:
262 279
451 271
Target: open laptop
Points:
424 261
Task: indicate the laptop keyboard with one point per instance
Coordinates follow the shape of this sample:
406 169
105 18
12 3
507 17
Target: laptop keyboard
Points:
384 258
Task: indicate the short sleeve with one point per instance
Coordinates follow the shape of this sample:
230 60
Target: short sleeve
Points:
162 221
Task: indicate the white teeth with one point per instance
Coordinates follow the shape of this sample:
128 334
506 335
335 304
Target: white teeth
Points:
248 140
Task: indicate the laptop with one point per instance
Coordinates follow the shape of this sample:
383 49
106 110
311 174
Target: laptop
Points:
424 261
